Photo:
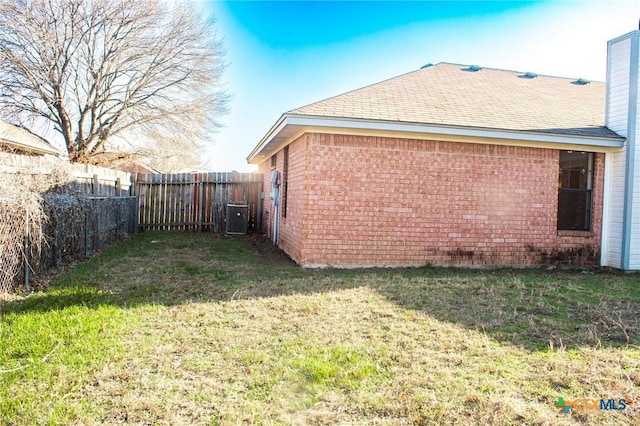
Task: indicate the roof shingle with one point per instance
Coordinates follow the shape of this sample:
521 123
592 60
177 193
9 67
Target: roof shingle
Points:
451 95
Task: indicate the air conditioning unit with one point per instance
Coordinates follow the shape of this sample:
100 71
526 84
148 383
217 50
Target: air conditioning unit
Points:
237 219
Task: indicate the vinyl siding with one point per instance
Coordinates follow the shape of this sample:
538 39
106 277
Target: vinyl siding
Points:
618 86
633 133
616 209
616 120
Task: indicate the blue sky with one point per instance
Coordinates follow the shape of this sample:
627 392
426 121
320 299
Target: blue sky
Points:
283 55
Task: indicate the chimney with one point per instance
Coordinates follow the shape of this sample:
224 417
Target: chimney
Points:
622 82
621 219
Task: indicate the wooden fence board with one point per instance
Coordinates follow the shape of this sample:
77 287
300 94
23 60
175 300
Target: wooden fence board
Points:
86 178
197 201
182 201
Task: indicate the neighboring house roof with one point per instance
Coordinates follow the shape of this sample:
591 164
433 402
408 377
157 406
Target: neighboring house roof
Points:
473 101
126 162
24 140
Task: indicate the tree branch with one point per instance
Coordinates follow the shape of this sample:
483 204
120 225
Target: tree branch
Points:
99 70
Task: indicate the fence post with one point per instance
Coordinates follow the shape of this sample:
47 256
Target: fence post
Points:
26 252
133 179
117 216
200 205
134 191
86 229
96 184
118 187
136 218
259 208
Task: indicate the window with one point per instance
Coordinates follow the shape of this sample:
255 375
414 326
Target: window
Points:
575 188
285 179
274 161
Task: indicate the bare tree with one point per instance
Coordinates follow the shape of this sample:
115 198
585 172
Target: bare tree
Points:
99 70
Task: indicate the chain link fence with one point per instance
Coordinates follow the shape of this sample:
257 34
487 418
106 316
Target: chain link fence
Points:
58 230
53 213
20 224
11 245
108 219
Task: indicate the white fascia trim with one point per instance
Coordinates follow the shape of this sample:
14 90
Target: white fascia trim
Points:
275 129
454 131
415 128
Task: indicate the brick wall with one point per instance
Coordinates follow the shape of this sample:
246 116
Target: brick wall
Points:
266 171
290 234
368 201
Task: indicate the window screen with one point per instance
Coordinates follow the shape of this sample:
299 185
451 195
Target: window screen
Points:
575 188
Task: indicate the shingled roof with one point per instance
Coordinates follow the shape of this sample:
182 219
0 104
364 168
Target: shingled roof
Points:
458 101
455 95
19 138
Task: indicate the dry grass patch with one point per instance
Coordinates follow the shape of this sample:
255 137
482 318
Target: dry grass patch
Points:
213 330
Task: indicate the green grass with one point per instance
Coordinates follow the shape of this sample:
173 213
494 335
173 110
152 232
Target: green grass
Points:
173 328
51 345
339 367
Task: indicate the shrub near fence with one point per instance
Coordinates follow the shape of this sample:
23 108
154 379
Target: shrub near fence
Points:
67 211
18 217
95 223
75 226
108 219
48 217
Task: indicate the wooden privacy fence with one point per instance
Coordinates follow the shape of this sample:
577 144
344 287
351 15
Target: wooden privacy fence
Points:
196 201
101 181
85 178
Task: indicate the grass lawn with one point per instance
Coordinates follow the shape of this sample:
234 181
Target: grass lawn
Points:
172 328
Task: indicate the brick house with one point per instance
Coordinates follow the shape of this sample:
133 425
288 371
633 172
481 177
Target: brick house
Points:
460 165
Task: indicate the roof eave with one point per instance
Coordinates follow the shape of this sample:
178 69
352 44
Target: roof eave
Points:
290 126
275 129
41 148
